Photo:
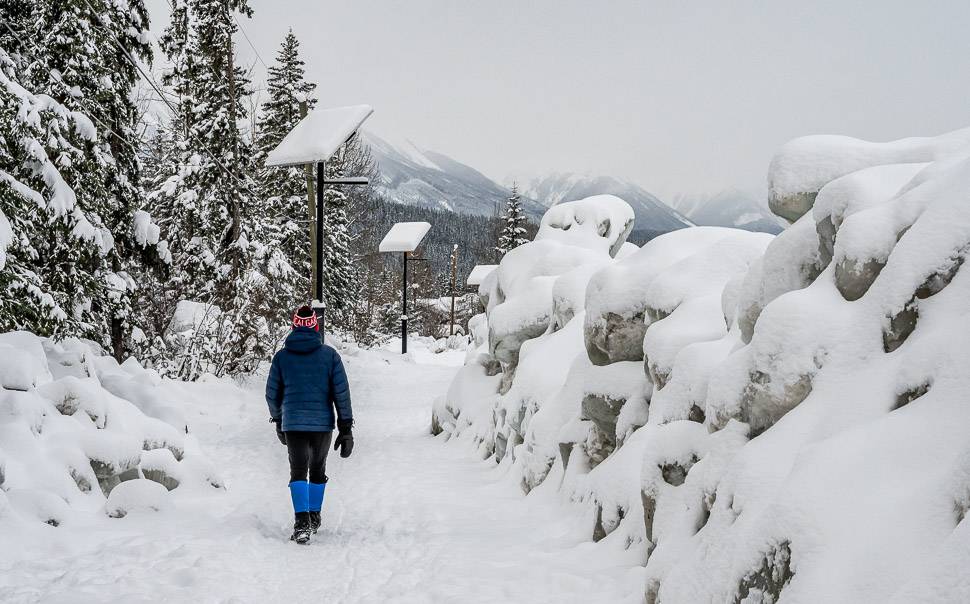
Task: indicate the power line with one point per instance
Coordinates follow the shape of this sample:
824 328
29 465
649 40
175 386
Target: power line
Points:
260 58
158 89
253 46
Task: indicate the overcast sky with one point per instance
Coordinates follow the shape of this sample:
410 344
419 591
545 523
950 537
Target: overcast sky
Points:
677 95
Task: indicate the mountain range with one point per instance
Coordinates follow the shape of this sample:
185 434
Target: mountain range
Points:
732 208
418 177
653 216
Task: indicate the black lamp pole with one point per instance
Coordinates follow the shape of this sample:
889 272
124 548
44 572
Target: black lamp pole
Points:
319 276
322 182
404 308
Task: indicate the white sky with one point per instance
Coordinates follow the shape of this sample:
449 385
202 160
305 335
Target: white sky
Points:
677 95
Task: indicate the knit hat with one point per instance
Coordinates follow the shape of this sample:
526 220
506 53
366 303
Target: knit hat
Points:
305 317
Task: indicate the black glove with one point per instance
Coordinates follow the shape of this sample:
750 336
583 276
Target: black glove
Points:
345 439
279 430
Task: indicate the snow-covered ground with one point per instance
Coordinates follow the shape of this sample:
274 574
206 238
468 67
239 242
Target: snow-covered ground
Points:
408 518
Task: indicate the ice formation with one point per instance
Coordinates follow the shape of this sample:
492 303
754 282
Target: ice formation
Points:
764 418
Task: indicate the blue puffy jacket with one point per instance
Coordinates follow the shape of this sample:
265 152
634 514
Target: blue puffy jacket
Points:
306 382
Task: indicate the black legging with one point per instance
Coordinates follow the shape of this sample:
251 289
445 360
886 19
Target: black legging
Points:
308 455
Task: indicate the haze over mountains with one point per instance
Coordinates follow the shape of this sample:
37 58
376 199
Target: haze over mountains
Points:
732 208
419 177
653 217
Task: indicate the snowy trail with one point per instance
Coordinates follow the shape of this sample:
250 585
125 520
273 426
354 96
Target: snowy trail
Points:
408 518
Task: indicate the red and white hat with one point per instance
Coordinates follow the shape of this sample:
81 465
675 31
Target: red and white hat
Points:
305 317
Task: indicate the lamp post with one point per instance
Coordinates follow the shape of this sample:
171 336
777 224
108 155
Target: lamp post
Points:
313 141
454 277
404 237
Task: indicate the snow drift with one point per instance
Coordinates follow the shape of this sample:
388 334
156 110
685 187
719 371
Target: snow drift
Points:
76 427
765 419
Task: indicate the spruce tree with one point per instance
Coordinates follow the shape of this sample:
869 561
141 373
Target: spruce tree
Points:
339 274
89 48
205 188
513 233
284 190
46 238
205 197
76 53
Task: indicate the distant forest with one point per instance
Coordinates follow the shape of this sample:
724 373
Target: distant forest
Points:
476 237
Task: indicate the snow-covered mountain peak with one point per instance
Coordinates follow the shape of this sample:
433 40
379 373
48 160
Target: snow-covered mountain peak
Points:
419 177
652 215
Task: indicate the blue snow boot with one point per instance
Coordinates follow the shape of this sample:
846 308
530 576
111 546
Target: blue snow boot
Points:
300 494
317 491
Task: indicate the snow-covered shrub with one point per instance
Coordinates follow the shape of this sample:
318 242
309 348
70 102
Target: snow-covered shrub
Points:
76 427
797 431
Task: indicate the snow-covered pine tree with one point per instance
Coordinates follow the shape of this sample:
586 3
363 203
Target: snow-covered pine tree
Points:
204 184
344 265
88 47
205 198
513 234
339 274
67 59
283 190
46 239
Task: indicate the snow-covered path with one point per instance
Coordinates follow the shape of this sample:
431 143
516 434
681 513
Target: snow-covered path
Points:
408 518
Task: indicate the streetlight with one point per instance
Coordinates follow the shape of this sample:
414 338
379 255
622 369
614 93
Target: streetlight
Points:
314 140
404 237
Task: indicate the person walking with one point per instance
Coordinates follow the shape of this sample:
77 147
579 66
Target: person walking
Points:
306 384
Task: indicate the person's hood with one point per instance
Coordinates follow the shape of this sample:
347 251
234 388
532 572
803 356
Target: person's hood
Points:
303 340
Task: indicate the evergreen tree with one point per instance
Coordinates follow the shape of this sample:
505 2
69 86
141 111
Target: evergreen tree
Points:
339 274
90 44
205 197
205 189
284 190
76 52
513 234
46 238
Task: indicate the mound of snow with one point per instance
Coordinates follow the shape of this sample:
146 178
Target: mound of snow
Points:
803 166
618 297
75 427
24 363
797 430
139 495
601 221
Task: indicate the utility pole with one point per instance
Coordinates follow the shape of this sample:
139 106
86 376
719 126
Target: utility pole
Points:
311 213
454 276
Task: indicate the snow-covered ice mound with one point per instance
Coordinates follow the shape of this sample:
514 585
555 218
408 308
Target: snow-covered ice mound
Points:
764 418
75 426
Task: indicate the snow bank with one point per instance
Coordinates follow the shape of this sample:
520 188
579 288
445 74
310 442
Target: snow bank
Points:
803 166
599 222
763 418
77 428
618 297
138 495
